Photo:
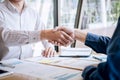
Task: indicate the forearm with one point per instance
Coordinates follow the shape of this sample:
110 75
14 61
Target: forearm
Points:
97 43
46 34
17 38
80 35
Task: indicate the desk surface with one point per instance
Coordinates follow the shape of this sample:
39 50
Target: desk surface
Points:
17 76
37 71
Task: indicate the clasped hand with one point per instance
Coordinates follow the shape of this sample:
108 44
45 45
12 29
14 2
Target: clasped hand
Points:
59 36
62 36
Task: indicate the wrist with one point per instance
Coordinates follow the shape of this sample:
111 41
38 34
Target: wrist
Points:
45 34
42 35
80 35
75 34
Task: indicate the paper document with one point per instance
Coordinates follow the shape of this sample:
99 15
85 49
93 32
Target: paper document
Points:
75 52
40 71
70 63
10 63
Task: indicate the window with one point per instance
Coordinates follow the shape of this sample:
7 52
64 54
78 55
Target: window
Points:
93 9
101 13
67 12
113 10
1 0
45 8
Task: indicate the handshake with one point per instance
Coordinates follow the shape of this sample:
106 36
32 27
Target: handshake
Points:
59 36
62 36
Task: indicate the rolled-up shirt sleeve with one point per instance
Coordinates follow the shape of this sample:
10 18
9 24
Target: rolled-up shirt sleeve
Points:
16 38
97 43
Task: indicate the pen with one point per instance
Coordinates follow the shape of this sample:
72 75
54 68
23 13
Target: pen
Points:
7 65
97 58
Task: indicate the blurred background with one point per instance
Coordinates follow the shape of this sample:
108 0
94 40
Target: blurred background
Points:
81 14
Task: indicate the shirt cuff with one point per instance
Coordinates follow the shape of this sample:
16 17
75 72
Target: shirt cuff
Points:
34 36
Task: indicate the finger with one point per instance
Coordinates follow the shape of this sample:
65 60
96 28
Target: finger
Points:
72 35
59 44
62 41
50 41
57 28
54 53
51 53
67 30
46 52
43 53
68 37
55 43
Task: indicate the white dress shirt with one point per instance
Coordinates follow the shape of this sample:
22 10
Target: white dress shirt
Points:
18 31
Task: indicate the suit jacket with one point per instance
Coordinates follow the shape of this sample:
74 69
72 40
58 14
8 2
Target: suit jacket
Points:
109 70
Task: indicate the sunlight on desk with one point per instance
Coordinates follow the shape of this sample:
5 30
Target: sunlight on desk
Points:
19 77
70 63
43 72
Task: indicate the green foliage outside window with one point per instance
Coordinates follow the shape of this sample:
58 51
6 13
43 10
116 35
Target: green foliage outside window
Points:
115 11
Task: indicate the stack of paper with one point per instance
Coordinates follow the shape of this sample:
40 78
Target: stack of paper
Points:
75 52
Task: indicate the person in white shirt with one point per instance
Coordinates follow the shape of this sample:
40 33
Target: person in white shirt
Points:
20 25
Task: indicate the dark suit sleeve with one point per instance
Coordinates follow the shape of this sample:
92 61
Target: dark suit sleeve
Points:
109 70
96 73
97 43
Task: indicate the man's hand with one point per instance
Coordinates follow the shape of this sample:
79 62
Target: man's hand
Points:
49 52
68 31
58 36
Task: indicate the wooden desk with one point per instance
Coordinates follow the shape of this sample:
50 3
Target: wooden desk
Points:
17 76
27 70
36 71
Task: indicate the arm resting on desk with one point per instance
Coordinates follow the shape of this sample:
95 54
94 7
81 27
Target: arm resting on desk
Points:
94 73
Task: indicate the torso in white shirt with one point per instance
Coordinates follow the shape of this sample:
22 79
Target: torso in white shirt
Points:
13 20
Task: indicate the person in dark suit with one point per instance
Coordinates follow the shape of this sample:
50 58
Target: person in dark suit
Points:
109 70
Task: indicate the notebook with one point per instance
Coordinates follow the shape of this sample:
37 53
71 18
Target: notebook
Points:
75 52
